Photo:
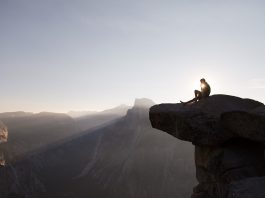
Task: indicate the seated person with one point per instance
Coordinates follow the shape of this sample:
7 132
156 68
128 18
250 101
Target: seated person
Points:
205 92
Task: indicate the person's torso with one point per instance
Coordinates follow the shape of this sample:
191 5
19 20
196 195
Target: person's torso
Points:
206 90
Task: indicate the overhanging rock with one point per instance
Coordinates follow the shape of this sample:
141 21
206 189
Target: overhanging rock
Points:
229 137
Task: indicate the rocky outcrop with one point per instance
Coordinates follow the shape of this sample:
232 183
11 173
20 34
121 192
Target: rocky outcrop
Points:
3 138
3 133
229 137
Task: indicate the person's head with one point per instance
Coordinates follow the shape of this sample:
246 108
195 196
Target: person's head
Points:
202 80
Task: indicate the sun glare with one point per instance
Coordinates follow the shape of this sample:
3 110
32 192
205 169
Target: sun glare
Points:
215 81
202 85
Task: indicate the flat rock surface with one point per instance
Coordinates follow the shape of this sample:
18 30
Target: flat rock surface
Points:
211 121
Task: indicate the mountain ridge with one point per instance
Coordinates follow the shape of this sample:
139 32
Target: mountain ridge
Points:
123 159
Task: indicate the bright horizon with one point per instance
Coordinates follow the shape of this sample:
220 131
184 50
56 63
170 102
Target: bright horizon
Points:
62 55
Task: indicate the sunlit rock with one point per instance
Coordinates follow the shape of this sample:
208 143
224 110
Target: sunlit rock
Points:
3 133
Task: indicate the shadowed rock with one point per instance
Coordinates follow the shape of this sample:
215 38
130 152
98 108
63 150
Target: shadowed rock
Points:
247 188
211 121
229 137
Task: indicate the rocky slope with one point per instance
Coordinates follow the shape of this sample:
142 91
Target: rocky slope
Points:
97 119
229 135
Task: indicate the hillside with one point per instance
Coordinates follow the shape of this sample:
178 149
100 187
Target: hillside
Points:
29 132
95 119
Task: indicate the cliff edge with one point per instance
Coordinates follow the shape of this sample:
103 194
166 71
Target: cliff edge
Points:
229 137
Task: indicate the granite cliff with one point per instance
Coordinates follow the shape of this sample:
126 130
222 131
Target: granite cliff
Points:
229 137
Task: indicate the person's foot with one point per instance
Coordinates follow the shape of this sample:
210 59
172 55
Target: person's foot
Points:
184 103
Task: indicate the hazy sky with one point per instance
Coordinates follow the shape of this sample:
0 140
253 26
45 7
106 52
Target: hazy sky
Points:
60 55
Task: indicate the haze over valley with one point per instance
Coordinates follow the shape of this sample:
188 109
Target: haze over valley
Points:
122 156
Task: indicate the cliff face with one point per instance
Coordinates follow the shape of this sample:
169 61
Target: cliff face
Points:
229 136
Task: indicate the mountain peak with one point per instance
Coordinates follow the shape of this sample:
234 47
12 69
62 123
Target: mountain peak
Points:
143 102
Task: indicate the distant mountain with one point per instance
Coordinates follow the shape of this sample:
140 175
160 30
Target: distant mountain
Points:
77 114
97 119
15 114
29 132
127 158
143 103
119 110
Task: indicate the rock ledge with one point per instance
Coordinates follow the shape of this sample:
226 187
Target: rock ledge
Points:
229 137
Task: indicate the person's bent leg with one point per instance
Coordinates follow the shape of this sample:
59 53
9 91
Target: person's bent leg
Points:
190 101
197 97
197 93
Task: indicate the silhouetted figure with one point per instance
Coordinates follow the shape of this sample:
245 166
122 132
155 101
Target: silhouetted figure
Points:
205 92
